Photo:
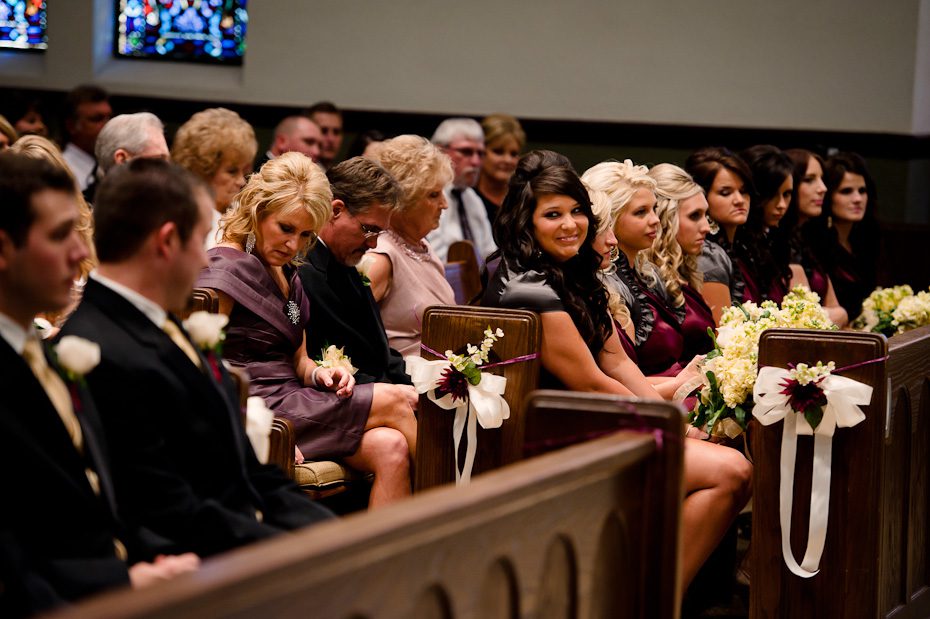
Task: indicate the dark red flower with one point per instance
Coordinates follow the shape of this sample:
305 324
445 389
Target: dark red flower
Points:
453 382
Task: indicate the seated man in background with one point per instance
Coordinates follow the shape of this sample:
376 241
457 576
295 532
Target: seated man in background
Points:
328 118
183 465
466 218
294 134
344 312
124 138
61 537
87 110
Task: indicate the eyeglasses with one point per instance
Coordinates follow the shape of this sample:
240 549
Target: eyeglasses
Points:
468 152
370 232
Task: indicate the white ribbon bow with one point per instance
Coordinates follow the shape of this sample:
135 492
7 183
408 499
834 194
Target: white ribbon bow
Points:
484 400
844 397
258 422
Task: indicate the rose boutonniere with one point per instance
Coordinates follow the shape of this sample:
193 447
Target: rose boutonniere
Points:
363 266
332 357
77 357
206 330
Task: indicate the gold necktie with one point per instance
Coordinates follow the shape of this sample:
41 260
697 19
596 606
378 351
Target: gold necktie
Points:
55 388
60 397
174 332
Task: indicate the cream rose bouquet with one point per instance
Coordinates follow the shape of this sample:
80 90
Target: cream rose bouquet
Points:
730 369
894 310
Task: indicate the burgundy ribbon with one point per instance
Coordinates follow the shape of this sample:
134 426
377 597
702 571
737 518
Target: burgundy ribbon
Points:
846 368
519 359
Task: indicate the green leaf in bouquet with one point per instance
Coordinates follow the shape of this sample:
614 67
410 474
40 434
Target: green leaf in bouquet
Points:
745 313
739 414
814 414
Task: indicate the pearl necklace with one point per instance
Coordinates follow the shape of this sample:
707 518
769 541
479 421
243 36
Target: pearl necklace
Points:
418 253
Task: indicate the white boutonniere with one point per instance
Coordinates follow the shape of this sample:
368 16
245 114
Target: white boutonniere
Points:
333 357
206 330
363 266
77 357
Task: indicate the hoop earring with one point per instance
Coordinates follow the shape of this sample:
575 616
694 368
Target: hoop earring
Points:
614 254
713 226
250 243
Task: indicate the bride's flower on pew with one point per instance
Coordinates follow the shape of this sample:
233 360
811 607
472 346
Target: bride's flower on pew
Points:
77 357
912 312
206 330
730 370
878 309
332 357
805 395
464 369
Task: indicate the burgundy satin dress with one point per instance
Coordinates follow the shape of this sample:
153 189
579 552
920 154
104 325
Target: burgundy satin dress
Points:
659 353
698 318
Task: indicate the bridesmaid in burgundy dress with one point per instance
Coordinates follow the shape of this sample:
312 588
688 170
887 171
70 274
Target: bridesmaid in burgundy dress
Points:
619 299
658 337
799 223
682 211
769 261
726 180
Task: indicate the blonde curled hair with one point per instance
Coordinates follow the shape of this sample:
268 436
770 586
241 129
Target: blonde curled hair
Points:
416 163
286 184
604 213
38 147
672 186
211 137
620 181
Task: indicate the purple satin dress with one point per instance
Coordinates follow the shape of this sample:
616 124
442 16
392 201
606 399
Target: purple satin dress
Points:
264 332
698 318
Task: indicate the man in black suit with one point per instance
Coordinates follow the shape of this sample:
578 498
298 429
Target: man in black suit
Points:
183 466
343 310
61 537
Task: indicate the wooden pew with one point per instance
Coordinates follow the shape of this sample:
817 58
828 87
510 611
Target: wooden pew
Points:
875 560
450 328
463 272
567 534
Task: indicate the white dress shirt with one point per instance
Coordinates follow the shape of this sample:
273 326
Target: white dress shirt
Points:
450 228
81 163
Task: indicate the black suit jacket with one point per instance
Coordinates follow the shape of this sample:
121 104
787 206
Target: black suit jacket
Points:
343 312
183 466
56 534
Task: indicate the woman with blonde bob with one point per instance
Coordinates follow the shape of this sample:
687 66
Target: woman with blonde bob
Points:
218 146
264 236
504 138
38 147
682 211
406 275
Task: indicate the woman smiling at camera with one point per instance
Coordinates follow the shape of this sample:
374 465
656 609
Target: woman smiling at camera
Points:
548 264
270 227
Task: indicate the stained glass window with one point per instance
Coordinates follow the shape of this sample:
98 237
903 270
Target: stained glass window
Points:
194 30
22 24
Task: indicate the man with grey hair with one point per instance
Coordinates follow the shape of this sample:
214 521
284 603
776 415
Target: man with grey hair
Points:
130 136
294 134
124 138
466 218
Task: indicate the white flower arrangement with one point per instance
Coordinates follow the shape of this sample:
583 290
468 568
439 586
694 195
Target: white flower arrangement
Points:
364 266
206 330
730 370
332 357
77 356
468 363
894 310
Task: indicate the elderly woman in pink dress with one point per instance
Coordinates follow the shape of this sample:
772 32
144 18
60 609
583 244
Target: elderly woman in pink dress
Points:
406 275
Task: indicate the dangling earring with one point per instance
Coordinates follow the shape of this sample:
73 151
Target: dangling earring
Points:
712 225
829 221
614 254
250 243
